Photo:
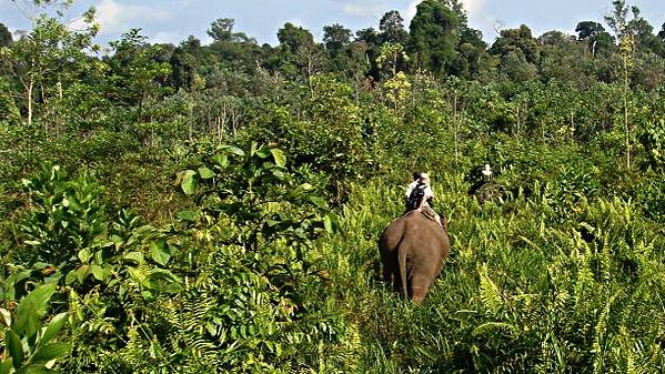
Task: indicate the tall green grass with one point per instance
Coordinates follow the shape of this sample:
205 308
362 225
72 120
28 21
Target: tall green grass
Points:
527 288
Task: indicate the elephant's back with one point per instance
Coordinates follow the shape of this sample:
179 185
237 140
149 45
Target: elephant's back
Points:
426 232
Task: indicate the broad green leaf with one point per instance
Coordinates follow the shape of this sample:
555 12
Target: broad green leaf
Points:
235 150
136 257
188 182
50 352
32 308
278 155
159 254
15 348
53 328
70 278
221 160
263 152
84 255
6 366
187 216
82 272
98 272
205 173
317 201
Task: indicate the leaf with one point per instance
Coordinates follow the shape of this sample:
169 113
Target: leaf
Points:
263 152
187 216
317 201
82 272
136 257
221 160
328 224
205 173
140 275
70 278
235 150
188 182
15 348
278 155
32 308
53 328
6 366
84 255
98 272
6 317
50 352
159 254
163 274
490 327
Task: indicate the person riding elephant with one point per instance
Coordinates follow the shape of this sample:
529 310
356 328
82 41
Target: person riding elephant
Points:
419 196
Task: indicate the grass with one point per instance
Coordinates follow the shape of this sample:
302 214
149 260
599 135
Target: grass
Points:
523 290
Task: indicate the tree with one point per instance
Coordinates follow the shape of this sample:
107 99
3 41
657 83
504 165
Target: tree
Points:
434 35
337 42
294 39
595 36
588 29
221 30
392 28
520 39
370 38
183 66
5 36
643 32
299 54
135 71
49 61
336 38
618 21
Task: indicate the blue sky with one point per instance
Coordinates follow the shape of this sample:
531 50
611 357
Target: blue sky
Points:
174 20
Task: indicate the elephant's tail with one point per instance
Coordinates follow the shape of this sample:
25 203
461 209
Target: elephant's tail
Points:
401 262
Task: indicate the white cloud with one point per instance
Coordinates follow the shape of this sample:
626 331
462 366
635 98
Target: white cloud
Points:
362 8
166 37
115 17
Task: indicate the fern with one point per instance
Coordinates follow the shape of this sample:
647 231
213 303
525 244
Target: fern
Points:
491 327
490 294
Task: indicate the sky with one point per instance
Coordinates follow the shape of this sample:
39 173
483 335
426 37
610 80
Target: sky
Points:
174 20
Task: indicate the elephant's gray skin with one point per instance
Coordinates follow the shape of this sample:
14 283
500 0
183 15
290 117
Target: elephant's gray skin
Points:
413 250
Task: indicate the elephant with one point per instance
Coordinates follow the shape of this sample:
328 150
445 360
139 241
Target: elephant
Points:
413 249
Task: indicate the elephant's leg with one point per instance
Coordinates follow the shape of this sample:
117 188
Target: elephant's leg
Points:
388 265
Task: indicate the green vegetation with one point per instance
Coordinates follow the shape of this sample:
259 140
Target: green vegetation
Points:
191 208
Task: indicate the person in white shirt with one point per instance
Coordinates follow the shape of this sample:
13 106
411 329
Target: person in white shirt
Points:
419 196
487 173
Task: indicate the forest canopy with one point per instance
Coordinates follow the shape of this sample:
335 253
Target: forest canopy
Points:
215 207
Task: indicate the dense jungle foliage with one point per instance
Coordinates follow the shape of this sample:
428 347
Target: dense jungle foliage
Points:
216 208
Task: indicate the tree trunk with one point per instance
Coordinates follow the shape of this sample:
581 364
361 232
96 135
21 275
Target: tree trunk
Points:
455 127
625 111
140 114
31 85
